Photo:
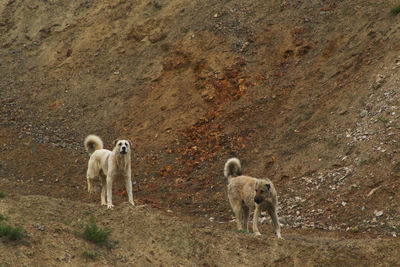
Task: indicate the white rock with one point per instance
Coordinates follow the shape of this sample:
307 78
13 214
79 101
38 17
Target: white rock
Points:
378 213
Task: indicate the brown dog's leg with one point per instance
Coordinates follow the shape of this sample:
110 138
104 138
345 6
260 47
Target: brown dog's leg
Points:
272 212
246 214
237 209
255 219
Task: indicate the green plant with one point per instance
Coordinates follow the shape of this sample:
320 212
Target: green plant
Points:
2 217
2 194
305 117
241 231
11 232
333 142
89 255
383 120
396 167
395 10
94 234
365 161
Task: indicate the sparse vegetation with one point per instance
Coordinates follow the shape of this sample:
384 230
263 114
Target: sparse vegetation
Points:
396 168
2 217
395 10
89 255
333 142
305 117
383 120
94 234
11 232
365 162
2 194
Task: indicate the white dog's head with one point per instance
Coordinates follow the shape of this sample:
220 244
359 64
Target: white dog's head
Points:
123 146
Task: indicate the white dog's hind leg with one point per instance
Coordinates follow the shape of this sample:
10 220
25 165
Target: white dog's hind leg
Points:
128 187
89 184
103 190
109 193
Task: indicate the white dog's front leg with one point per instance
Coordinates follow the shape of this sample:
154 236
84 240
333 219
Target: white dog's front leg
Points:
109 193
128 187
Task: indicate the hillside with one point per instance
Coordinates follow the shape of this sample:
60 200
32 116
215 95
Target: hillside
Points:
305 93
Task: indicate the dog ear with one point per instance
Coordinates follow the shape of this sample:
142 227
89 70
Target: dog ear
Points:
130 143
268 186
115 142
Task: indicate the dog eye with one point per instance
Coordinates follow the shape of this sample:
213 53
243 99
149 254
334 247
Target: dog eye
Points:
126 144
262 191
256 190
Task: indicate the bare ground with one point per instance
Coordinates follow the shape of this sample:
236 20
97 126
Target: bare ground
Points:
304 93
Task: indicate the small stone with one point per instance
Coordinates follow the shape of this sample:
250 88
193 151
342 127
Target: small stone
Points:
378 213
363 113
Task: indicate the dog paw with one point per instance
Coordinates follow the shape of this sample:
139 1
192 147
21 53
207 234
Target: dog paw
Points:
257 233
110 206
132 203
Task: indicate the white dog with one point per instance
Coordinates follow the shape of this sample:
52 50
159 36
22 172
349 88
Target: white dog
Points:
108 166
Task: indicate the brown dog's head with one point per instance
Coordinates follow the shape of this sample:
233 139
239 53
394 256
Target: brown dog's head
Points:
123 146
263 191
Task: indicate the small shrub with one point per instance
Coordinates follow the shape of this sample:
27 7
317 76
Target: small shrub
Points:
11 232
2 217
383 120
2 194
333 142
395 10
89 255
396 168
93 234
241 231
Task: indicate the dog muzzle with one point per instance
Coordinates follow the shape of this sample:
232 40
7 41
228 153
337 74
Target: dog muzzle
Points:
258 200
123 150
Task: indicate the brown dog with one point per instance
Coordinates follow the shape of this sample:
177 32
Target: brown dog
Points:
245 193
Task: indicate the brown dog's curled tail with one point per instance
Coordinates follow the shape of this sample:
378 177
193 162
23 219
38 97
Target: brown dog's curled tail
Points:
93 143
232 168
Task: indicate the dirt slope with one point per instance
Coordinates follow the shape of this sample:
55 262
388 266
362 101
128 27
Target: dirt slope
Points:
143 237
304 93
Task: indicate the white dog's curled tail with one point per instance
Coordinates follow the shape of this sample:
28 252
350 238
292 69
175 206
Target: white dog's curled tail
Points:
93 143
232 168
